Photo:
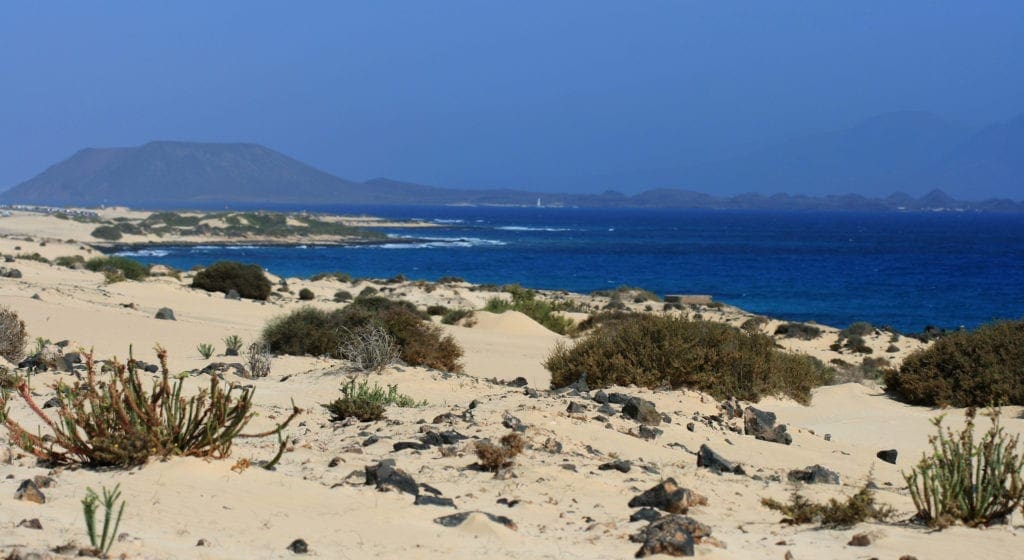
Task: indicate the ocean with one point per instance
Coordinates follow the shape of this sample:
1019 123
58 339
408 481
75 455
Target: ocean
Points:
903 270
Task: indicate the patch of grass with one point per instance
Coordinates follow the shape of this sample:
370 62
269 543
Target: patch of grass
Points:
436 310
360 400
118 423
116 268
754 324
32 257
834 514
102 542
205 350
453 316
974 482
526 302
223 276
370 348
496 457
368 291
636 295
232 345
658 351
968 368
69 261
803 331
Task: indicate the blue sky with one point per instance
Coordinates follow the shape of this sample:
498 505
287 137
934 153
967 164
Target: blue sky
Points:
491 94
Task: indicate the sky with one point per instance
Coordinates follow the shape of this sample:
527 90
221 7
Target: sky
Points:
482 94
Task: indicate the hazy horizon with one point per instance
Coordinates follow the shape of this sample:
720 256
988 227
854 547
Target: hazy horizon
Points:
573 97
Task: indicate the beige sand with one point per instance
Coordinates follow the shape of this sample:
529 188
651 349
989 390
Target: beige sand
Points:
561 513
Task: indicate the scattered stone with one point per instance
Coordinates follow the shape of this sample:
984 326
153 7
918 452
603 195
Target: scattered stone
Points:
44 481
731 408
642 411
425 500
33 523
28 491
575 408
456 519
473 404
888 455
691 426
335 461
388 478
518 382
52 402
511 422
37 297
707 458
861 539
618 398
649 433
299 546
607 410
666 418
673 535
552 445
447 417
761 424
828 437
645 514
601 397
415 445
620 465
581 384
165 313
669 496
569 467
815 474
220 369
202 542
10 272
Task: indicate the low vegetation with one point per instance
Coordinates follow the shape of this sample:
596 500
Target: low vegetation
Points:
834 514
305 294
453 316
659 351
317 332
232 345
69 261
526 302
803 331
636 295
494 457
107 233
370 348
116 268
973 482
101 542
257 358
966 368
13 335
118 423
361 401
205 350
342 296
223 276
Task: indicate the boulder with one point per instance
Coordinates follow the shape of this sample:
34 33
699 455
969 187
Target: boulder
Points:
707 458
673 535
620 465
888 455
29 491
761 424
814 474
575 408
387 478
165 313
642 411
668 496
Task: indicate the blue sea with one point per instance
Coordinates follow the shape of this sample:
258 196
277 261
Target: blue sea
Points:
904 270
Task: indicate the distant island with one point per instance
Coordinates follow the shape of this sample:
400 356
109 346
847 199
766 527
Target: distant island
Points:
894 150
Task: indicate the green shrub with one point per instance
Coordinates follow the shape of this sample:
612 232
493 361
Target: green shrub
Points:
962 480
976 368
366 403
754 324
835 514
339 276
803 331
453 316
305 294
102 542
205 350
342 296
223 276
637 295
525 301
306 330
857 329
108 233
69 261
232 345
368 291
655 351
436 310
450 280
32 257
13 335
118 423
118 268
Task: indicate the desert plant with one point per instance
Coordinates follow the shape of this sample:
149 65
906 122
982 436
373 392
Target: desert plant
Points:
496 457
657 351
13 335
803 331
857 508
367 292
369 347
525 301
754 324
102 542
69 261
453 316
975 482
108 233
118 268
360 400
257 357
232 345
305 294
118 423
339 276
223 276
436 310
966 368
342 296
32 257
205 350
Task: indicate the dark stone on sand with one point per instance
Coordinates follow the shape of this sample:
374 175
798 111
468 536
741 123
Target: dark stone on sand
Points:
620 465
814 474
668 496
425 500
299 546
456 519
709 459
645 514
888 455
642 411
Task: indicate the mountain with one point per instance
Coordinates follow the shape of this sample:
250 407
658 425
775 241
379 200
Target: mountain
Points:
990 160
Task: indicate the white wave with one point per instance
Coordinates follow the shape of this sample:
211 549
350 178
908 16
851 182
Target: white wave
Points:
144 253
439 243
528 228
447 221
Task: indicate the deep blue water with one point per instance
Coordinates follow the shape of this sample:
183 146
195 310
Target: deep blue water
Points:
905 270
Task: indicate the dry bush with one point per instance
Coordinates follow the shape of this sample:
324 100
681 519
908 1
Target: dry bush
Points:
257 357
118 423
834 514
803 331
496 457
369 348
13 335
657 351
966 368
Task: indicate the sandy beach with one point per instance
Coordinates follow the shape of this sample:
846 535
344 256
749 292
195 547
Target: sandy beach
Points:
560 502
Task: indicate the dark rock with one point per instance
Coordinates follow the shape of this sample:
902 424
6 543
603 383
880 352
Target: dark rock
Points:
416 445
518 382
642 411
645 514
620 465
618 398
299 546
370 441
568 466
202 542
334 462
10 272
861 539
600 397
581 384
888 455
386 477
669 535
605 409
31 524
531 392
731 408
44 481
52 402
424 500
761 424
220 369
232 294
29 492
575 408
691 426
456 519
165 313
669 496
475 403
815 474
511 422
708 459
666 418
37 297
828 437
649 433
447 417
151 368
552 445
